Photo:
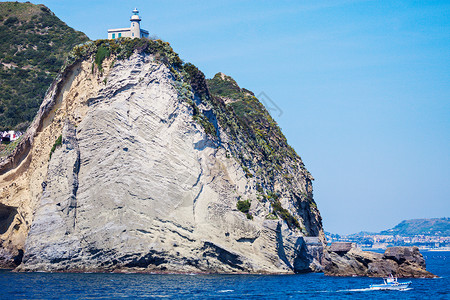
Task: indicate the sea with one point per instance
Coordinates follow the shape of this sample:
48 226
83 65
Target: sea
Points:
174 286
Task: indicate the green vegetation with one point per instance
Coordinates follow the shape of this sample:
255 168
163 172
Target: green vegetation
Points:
196 80
259 145
247 172
226 86
283 213
37 46
187 77
244 206
191 82
123 48
259 188
436 226
102 53
206 124
38 43
57 143
34 45
271 216
200 118
271 196
6 149
254 133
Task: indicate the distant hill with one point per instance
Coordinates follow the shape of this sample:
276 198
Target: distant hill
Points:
33 47
362 234
437 226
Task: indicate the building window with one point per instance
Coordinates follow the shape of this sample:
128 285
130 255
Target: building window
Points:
132 34
120 34
114 36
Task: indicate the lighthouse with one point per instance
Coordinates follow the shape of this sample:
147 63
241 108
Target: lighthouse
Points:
135 24
134 31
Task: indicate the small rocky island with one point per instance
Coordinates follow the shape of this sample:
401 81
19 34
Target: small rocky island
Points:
344 259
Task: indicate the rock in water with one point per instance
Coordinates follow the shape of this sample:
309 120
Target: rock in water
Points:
147 177
399 261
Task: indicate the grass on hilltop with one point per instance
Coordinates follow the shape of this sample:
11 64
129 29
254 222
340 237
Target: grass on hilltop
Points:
35 44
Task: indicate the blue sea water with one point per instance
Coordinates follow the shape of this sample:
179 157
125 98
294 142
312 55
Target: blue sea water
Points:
132 286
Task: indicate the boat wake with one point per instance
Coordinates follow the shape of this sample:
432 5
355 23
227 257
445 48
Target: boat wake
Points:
357 290
371 290
225 291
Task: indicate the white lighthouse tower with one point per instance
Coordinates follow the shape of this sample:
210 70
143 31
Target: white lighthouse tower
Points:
135 24
134 31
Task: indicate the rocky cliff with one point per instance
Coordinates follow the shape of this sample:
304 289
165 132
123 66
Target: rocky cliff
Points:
135 163
399 261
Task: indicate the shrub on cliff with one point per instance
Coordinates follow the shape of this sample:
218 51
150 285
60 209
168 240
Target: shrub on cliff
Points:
102 53
244 206
283 213
57 143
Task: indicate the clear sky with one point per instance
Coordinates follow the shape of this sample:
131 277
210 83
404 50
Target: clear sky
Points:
363 86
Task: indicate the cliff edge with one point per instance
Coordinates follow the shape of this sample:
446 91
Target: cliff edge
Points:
133 164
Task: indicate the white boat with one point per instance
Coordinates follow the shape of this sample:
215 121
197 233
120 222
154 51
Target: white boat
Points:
390 283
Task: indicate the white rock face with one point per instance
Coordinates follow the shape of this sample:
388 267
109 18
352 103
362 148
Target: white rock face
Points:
138 185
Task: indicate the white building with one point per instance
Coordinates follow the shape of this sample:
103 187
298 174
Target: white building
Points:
134 31
9 136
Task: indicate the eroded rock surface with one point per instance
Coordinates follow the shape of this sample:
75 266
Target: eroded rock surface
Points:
400 261
23 174
138 184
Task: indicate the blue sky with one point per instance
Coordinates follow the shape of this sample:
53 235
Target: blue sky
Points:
363 87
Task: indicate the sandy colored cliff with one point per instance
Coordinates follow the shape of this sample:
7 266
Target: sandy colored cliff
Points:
141 183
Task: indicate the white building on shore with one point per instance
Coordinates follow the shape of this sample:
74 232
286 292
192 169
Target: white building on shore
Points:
134 31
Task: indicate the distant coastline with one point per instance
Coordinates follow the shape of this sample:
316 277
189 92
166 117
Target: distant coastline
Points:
426 234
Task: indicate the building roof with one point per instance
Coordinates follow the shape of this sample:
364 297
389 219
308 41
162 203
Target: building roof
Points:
119 29
341 246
